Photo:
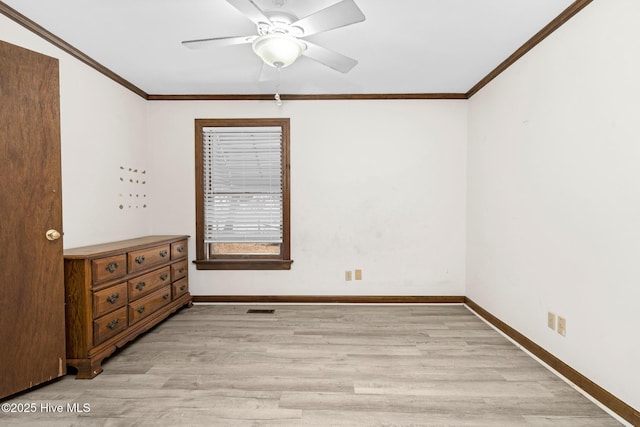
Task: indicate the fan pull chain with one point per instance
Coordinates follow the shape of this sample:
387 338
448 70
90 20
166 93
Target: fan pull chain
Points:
277 96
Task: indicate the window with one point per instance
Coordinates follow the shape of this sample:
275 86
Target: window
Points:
242 194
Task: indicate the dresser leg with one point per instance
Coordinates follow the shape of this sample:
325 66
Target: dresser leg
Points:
87 368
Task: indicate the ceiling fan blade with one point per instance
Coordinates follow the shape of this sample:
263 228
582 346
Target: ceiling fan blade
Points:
218 42
338 15
250 10
331 59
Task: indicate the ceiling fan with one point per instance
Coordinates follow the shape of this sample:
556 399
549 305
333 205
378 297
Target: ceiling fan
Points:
279 40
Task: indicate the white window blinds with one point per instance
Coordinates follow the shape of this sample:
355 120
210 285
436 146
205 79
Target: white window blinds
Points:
242 184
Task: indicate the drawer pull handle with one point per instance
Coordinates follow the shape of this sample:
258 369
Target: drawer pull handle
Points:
163 253
140 259
183 287
112 267
141 310
181 270
113 298
140 286
180 249
113 324
164 276
165 296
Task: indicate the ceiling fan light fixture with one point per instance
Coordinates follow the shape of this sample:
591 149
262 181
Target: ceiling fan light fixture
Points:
278 50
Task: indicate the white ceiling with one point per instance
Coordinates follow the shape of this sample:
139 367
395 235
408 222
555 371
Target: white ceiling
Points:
403 46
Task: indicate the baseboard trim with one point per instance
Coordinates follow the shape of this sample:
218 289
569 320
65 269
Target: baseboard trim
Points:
600 394
331 299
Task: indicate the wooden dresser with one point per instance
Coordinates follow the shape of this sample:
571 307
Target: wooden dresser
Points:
116 291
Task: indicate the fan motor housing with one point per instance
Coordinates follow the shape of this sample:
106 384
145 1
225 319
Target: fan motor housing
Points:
280 23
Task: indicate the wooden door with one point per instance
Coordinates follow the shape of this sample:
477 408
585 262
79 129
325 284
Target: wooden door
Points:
32 332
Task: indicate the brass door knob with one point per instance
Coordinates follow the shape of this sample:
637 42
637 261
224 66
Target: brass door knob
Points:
53 234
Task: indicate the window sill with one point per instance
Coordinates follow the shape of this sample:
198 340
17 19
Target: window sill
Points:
258 264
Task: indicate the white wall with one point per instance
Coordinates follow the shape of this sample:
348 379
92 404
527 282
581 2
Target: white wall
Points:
392 204
375 185
103 128
554 199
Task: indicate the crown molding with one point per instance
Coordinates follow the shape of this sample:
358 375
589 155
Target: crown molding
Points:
309 97
66 47
567 14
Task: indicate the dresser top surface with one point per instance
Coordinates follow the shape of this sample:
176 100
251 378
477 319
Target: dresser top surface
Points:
105 249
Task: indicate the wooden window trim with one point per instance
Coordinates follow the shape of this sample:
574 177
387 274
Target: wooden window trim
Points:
256 264
243 262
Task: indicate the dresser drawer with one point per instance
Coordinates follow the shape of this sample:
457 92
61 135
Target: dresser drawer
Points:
109 299
145 306
108 268
109 325
179 270
179 249
149 282
145 258
180 287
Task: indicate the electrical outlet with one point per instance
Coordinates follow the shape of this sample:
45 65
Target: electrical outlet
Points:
358 274
562 326
347 275
551 320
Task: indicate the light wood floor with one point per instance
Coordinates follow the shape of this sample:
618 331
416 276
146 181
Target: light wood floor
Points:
216 365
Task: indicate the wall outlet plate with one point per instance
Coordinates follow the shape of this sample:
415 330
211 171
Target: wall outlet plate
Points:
551 320
347 275
358 274
562 326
